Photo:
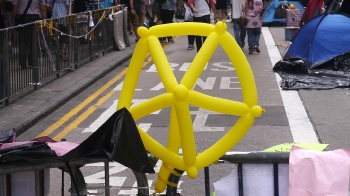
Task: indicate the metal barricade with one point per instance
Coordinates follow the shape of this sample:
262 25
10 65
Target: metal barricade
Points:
35 52
274 158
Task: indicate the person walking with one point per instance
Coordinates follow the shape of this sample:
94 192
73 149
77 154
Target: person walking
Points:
221 6
189 18
167 12
27 11
239 31
60 9
253 12
136 14
201 13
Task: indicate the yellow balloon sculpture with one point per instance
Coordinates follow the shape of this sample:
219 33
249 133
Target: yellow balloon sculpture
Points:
179 95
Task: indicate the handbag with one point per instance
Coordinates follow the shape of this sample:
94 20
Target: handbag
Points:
242 20
180 13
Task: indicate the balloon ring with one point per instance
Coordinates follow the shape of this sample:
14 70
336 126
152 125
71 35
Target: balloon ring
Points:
179 95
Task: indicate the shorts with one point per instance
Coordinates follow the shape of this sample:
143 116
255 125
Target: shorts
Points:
132 18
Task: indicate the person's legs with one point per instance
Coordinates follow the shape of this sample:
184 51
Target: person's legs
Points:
167 17
237 30
132 20
256 32
198 38
250 32
243 34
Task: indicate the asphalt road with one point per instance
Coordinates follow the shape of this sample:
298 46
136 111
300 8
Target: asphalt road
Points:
291 116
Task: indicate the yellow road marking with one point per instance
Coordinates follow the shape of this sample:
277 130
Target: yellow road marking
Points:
83 104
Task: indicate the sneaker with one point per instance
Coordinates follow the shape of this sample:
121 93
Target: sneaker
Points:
190 47
171 41
63 56
256 48
250 52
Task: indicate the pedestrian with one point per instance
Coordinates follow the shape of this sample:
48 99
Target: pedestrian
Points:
167 12
253 12
7 6
135 15
27 11
239 31
60 9
201 13
189 18
221 6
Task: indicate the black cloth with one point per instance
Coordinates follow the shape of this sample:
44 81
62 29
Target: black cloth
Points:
116 140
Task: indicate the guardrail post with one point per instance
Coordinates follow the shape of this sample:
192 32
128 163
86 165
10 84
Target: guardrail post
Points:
39 174
89 41
34 53
2 185
75 45
107 193
58 51
6 69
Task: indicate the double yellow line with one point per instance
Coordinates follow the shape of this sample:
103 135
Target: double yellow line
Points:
83 104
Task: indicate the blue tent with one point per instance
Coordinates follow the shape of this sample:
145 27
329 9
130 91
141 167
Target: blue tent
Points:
321 39
275 12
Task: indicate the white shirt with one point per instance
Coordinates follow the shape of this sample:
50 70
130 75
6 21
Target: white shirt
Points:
236 8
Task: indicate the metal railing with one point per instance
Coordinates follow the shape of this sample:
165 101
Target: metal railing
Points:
273 158
34 52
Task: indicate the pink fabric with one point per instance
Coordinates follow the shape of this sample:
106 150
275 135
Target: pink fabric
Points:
61 148
313 173
12 144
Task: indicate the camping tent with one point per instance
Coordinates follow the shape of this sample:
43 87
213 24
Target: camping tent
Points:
319 56
322 39
275 12
312 10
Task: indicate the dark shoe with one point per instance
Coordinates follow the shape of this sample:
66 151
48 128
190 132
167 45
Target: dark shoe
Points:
163 42
250 52
256 48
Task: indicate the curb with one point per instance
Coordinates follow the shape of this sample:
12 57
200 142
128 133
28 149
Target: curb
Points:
25 122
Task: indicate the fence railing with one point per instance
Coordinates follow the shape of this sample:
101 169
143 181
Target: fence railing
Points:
34 52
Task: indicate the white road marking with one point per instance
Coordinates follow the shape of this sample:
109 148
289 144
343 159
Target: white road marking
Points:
299 123
108 113
201 118
226 82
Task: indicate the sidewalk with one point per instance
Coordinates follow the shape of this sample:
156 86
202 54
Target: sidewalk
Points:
29 109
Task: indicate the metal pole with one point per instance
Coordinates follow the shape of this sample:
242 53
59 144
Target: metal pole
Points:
107 178
206 181
2 185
